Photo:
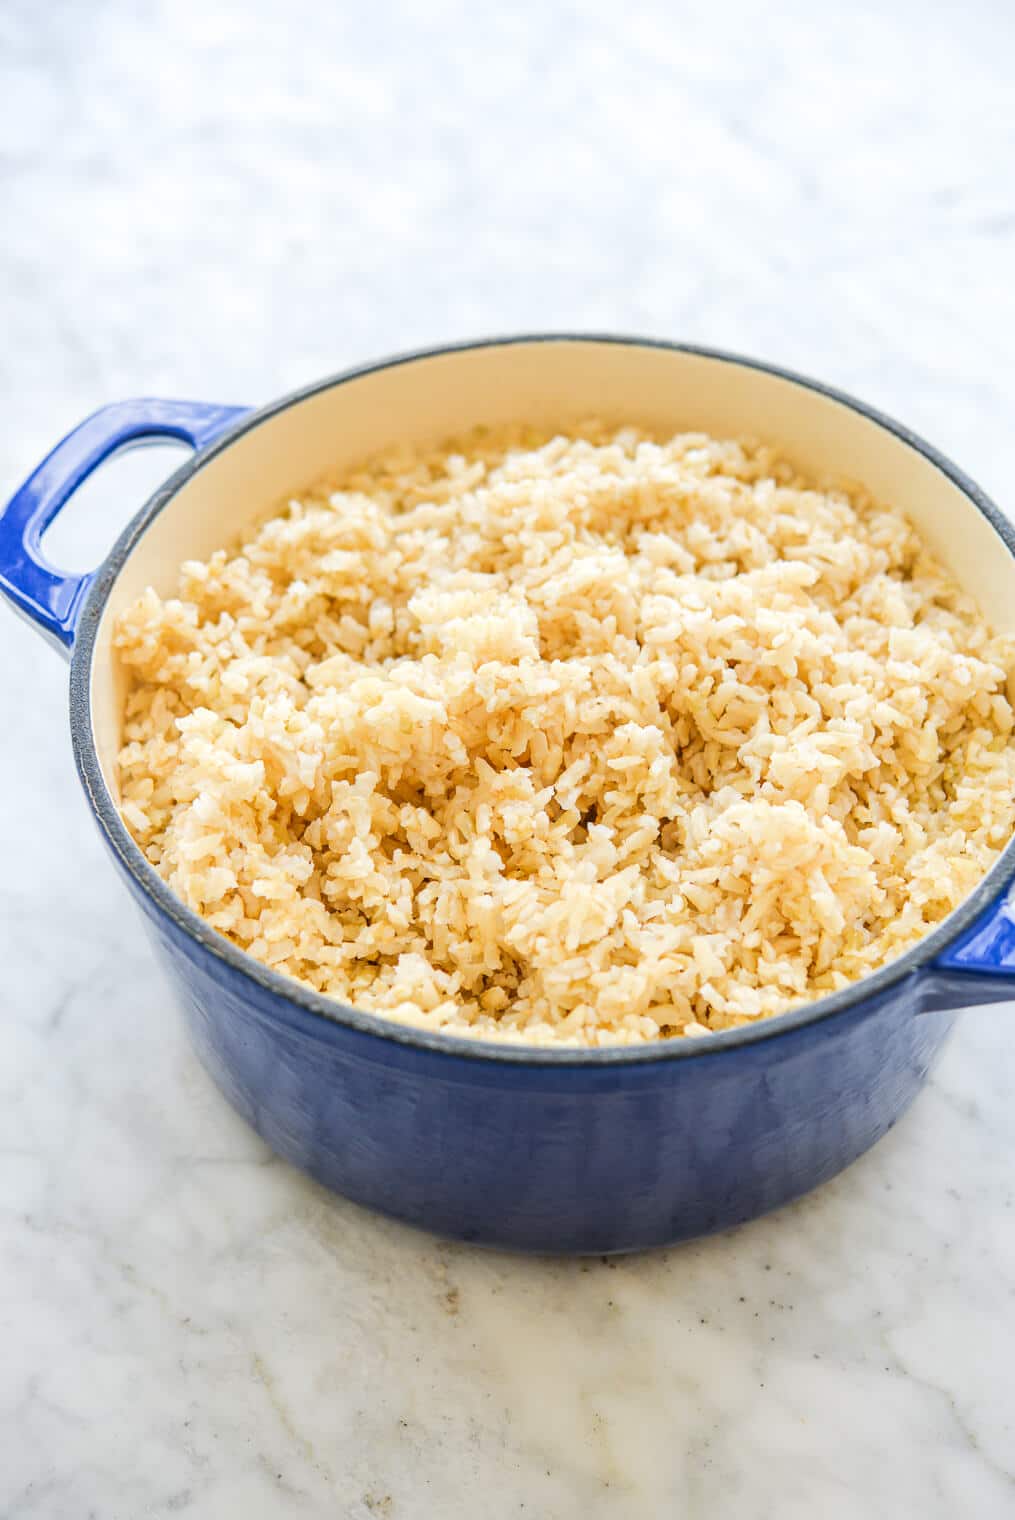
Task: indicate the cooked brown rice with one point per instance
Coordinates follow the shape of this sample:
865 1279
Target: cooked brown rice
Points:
587 739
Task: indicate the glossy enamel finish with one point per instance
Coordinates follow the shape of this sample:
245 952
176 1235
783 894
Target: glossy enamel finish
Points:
580 1157
548 1150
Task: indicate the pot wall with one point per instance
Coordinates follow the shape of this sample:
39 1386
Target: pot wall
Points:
557 1158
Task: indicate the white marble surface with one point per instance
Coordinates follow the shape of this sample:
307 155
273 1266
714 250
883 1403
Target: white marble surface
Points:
222 202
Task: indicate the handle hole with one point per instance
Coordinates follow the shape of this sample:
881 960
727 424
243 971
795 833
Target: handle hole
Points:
86 529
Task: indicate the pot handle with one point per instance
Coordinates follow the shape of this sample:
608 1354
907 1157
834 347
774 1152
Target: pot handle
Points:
979 966
44 595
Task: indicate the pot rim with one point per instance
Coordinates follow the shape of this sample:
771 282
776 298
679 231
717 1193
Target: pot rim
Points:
313 1013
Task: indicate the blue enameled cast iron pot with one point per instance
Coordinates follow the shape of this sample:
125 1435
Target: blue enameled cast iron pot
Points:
547 1150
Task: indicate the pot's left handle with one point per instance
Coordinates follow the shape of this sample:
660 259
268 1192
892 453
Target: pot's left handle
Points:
44 595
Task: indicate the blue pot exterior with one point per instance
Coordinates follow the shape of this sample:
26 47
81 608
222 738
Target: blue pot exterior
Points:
592 1152
587 1159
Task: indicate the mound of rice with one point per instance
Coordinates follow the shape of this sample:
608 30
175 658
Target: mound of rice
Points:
588 739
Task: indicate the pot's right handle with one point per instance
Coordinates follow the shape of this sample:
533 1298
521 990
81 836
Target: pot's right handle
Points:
979 966
48 597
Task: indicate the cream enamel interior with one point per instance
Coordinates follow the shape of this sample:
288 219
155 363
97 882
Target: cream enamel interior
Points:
549 382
